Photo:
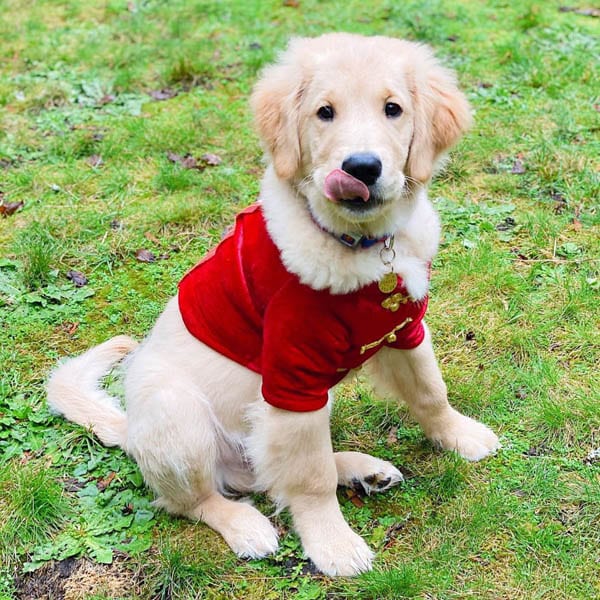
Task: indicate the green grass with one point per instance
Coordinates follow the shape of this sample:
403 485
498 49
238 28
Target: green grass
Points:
32 505
514 303
36 249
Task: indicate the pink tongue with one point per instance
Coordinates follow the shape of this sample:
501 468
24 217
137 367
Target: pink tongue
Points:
340 185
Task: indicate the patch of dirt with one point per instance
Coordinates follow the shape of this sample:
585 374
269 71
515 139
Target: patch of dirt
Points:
76 579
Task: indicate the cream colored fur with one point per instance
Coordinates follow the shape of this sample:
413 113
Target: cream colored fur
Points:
195 421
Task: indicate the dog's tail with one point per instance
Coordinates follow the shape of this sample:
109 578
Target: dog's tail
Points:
74 391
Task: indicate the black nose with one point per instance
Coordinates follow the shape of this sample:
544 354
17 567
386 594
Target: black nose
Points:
364 166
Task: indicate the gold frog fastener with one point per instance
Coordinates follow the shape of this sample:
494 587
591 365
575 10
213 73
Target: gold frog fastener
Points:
393 302
390 337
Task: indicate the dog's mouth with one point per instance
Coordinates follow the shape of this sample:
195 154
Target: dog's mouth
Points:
349 192
342 187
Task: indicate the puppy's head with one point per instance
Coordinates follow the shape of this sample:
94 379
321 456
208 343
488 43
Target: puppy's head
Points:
353 122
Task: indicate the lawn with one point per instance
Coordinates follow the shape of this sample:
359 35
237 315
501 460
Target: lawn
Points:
126 147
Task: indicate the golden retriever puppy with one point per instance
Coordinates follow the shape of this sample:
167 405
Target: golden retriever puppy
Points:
327 272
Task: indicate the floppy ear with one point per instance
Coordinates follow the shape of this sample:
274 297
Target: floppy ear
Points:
441 115
276 104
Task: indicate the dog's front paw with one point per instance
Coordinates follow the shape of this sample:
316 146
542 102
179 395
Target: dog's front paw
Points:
328 540
343 553
372 474
471 439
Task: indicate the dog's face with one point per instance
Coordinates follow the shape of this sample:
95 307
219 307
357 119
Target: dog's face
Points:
354 131
354 122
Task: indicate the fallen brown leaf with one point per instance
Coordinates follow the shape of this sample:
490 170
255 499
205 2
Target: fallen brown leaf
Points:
145 256
95 160
174 157
212 160
518 167
354 498
9 208
517 252
69 328
106 481
392 533
586 12
560 203
392 436
187 161
26 457
71 484
163 94
77 277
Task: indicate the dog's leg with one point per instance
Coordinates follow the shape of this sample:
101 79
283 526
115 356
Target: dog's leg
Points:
372 474
294 461
186 455
414 376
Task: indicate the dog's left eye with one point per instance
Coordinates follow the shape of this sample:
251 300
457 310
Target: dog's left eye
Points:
326 113
392 109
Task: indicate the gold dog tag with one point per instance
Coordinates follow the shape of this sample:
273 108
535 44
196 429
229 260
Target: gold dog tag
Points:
387 284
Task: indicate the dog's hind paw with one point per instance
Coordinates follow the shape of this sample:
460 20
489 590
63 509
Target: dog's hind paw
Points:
255 538
246 530
356 469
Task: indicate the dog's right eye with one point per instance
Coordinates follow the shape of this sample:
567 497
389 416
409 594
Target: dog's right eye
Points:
325 113
392 109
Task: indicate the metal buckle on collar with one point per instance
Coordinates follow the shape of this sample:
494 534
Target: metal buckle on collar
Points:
363 241
350 240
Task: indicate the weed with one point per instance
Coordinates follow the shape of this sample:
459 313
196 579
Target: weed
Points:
37 250
397 583
32 506
187 74
175 576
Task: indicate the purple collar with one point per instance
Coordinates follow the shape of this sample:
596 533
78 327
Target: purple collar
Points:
351 240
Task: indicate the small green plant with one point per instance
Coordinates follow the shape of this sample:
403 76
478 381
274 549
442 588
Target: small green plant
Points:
7 584
173 575
394 584
37 249
32 506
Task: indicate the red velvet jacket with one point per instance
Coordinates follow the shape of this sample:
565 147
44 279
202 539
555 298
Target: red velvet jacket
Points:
241 301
